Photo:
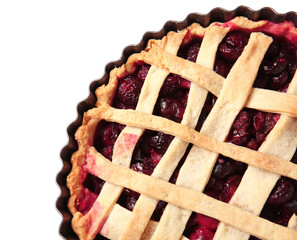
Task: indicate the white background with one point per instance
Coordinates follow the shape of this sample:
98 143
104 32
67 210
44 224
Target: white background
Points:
50 51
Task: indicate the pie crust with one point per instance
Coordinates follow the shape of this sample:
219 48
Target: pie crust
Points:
238 218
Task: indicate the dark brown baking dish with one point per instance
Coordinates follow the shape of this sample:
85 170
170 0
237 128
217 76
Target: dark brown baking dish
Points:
217 14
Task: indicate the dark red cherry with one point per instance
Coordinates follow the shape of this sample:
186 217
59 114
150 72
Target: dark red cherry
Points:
239 137
277 81
192 222
185 99
130 203
129 90
290 207
223 168
107 152
170 86
274 67
201 233
261 81
155 158
160 142
142 168
233 45
273 49
222 68
142 71
258 121
252 144
217 184
118 104
282 193
106 134
207 222
131 193
184 83
84 204
193 52
242 121
282 220
172 109
231 185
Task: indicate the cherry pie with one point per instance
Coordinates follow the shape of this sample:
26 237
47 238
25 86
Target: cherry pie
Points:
193 138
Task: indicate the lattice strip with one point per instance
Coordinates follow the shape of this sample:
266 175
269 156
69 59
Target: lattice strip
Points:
256 184
198 166
186 198
155 123
261 99
145 206
112 229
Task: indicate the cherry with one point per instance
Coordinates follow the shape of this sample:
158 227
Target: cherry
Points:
253 144
160 142
261 81
233 45
290 207
130 203
105 135
274 67
282 193
107 152
129 90
172 109
230 187
85 203
273 49
155 158
223 168
217 184
201 233
277 81
207 222
193 52
242 121
170 86
131 193
142 168
222 68
258 121
142 71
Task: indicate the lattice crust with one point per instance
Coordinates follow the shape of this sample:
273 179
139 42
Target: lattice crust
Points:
238 218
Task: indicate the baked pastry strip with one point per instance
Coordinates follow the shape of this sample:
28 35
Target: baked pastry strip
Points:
260 99
195 172
120 214
145 206
155 123
250 195
186 198
124 146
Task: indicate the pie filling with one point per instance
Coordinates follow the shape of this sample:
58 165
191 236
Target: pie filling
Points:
249 130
